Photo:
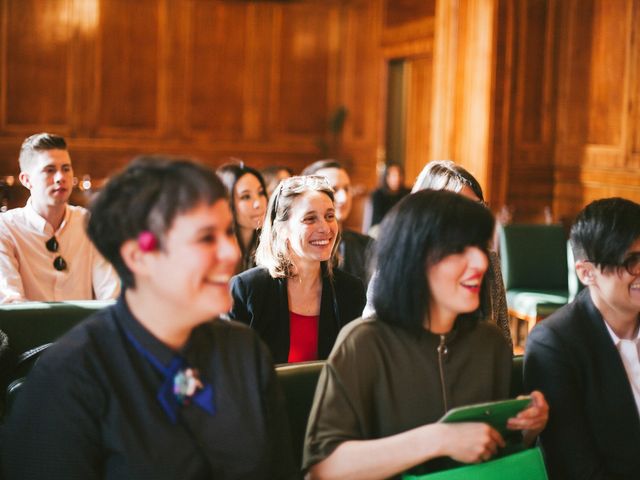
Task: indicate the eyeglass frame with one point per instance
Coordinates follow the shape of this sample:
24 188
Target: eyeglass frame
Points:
633 260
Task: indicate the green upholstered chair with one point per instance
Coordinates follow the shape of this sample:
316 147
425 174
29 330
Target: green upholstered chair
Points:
534 268
31 326
298 382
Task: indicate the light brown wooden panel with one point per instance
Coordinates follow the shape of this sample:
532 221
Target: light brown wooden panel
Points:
216 68
634 78
535 69
575 45
609 70
399 12
129 43
36 63
304 57
420 71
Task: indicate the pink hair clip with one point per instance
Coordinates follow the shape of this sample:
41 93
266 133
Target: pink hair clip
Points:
147 241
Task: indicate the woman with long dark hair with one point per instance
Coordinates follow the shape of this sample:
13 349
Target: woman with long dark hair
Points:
248 201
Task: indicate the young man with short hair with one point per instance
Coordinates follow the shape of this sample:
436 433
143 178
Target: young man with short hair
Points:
45 254
585 357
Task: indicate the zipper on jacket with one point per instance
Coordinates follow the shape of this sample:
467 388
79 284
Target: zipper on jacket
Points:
442 351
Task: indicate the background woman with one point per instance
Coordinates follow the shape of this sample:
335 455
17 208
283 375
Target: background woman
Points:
294 298
152 387
390 378
390 192
248 200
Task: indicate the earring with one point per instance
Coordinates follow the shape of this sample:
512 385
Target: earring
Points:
147 241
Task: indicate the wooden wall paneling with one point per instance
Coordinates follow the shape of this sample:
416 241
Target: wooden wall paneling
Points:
36 65
300 108
474 87
259 84
173 93
129 57
418 115
597 120
608 79
216 69
634 85
533 113
361 89
84 72
498 178
574 53
464 75
405 20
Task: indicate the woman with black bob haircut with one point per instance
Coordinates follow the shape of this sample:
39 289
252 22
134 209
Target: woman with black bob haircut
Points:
248 202
156 386
391 377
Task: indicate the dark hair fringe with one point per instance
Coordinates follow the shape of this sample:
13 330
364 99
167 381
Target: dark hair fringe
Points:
604 231
419 231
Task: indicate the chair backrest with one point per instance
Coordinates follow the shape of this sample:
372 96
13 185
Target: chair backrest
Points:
298 382
30 326
517 372
534 257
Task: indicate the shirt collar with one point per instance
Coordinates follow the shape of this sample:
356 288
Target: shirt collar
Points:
617 340
145 338
39 223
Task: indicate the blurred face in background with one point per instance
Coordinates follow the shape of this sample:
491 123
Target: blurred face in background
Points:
250 202
394 178
341 184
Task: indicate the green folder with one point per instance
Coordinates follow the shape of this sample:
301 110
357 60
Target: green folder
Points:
511 463
495 414
525 465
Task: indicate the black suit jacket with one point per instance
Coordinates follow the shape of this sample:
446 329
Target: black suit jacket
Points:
262 302
594 427
354 252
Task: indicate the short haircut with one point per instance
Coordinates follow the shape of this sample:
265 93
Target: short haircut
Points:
148 195
320 164
272 252
447 175
605 230
418 232
40 142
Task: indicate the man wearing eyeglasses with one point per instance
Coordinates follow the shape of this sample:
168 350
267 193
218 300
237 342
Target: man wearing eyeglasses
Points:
45 254
585 357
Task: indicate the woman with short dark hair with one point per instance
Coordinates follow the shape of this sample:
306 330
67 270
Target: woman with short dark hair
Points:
391 377
294 298
155 386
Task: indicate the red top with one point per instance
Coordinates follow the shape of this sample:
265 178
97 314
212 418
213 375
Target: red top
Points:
303 337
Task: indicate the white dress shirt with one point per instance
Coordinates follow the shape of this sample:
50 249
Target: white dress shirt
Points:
26 266
629 350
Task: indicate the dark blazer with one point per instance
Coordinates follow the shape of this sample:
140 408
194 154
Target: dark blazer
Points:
354 253
594 427
262 302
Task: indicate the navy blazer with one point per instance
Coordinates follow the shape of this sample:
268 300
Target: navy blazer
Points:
262 302
594 427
